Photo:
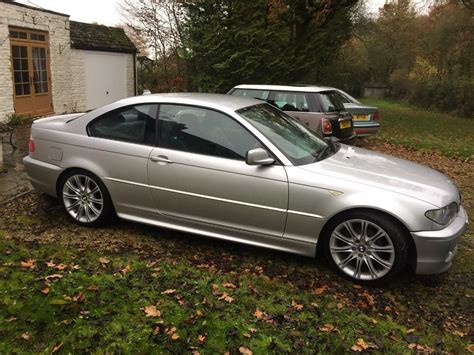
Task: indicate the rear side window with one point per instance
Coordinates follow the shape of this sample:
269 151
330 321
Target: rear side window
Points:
329 101
291 101
134 124
344 99
254 94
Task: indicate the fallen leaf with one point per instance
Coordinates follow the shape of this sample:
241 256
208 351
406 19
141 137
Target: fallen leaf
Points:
470 348
25 336
50 264
229 285
151 311
361 345
29 264
60 267
57 347
53 276
79 297
328 327
93 288
11 319
168 292
409 331
459 333
319 290
258 313
226 298
157 329
104 260
173 334
245 351
420 348
201 338
297 306
127 269
151 264
45 290
253 330
369 298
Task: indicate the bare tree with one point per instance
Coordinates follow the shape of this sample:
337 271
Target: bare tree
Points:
159 24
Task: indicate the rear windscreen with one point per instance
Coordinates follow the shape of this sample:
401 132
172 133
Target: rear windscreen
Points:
330 101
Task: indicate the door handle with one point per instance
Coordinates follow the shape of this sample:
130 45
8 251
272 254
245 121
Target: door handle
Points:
161 159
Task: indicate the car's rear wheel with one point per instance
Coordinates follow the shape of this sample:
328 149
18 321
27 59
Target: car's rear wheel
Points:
85 198
366 247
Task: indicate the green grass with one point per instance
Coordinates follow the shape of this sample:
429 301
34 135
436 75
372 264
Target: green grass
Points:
420 129
97 307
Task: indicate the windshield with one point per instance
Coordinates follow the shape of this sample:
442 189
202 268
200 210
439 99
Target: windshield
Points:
330 101
299 144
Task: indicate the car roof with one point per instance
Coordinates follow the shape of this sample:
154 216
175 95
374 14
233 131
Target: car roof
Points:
296 88
216 101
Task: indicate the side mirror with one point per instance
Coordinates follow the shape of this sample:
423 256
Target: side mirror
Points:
258 156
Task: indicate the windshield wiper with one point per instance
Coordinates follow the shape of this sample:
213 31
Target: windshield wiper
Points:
332 145
322 153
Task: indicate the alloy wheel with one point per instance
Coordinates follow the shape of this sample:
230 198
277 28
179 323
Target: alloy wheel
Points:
82 198
362 249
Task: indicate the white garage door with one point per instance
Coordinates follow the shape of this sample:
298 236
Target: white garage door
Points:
106 77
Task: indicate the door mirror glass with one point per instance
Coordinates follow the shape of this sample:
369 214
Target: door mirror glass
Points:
258 156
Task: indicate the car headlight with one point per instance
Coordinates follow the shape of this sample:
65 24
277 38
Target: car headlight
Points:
443 215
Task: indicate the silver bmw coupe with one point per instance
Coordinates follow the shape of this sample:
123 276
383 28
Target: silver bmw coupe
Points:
241 170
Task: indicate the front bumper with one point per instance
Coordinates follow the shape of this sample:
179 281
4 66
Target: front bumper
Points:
43 176
436 249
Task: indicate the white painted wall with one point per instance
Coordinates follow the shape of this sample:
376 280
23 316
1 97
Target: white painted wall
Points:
106 77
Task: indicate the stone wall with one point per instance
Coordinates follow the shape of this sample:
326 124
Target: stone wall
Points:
65 75
66 63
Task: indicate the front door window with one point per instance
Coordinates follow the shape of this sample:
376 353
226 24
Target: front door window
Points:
40 74
21 72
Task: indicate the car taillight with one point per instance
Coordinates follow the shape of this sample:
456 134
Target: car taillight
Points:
376 116
327 128
31 146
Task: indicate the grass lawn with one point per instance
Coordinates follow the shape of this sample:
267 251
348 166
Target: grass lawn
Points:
420 129
129 288
79 300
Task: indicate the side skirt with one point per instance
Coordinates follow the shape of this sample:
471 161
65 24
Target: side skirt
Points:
265 241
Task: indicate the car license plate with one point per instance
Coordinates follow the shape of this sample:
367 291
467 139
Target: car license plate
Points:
345 124
360 117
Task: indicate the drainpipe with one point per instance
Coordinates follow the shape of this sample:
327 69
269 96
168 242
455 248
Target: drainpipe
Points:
135 73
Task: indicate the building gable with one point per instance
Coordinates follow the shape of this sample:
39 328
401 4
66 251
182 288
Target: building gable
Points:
100 38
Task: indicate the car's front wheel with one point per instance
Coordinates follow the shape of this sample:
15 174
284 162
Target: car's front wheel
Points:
366 247
85 198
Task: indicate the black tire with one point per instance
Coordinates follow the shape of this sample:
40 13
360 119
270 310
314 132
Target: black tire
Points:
395 238
104 213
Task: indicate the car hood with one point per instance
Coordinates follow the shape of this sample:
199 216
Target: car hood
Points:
389 173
